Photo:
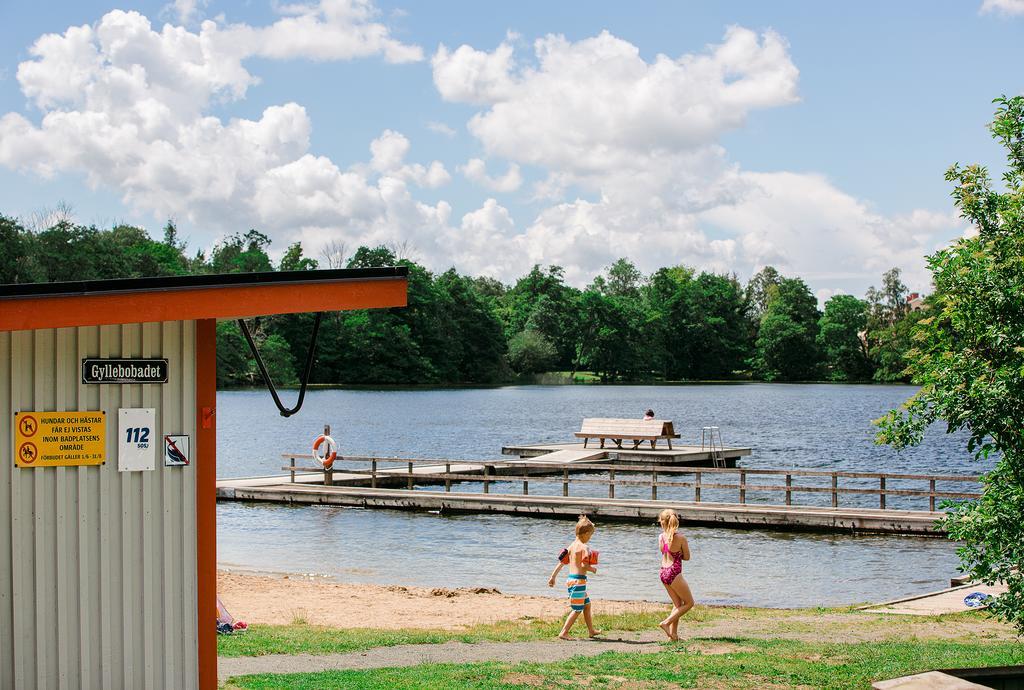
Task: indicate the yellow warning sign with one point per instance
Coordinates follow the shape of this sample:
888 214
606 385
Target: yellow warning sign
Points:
54 439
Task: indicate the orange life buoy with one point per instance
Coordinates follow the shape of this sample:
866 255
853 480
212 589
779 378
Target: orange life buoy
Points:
325 450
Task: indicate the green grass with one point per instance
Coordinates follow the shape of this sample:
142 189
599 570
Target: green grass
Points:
737 663
313 639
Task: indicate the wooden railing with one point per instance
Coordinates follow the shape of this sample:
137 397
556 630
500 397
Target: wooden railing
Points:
621 475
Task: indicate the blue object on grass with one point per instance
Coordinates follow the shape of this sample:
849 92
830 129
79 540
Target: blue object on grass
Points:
976 599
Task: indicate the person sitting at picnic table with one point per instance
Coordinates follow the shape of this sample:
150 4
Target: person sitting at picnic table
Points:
648 415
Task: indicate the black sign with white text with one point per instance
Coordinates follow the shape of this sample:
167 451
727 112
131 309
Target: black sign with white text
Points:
124 371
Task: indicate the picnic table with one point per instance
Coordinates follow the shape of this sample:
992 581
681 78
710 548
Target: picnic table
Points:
619 430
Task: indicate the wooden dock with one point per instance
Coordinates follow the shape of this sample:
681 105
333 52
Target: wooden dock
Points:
395 487
793 518
678 455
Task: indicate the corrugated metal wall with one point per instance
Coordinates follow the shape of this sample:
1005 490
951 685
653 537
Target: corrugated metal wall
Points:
101 590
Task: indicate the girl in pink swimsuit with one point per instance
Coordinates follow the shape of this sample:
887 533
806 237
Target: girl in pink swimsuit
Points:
674 550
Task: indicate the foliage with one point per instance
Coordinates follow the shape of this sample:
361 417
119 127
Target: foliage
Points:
293 260
759 290
239 253
786 344
968 358
542 301
236 365
890 345
17 256
674 324
843 340
529 352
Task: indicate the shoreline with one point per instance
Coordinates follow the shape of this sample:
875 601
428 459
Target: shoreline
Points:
283 599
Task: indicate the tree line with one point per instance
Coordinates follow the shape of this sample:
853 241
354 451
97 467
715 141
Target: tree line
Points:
673 325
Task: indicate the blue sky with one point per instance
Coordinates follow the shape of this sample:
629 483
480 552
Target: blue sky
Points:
812 136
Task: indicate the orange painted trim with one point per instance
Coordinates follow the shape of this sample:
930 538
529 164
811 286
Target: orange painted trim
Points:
206 500
186 304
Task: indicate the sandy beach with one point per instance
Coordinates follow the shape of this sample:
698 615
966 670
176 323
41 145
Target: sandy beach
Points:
283 599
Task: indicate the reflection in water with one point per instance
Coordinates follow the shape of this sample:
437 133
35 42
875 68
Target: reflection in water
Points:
823 427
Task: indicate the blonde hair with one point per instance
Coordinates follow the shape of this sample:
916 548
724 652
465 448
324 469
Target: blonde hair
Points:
584 526
669 522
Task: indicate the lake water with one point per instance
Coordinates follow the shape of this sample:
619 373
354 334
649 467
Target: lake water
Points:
788 426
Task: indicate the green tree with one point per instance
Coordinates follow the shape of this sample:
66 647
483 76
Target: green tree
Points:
969 361
242 254
144 257
623 279
542 301
890 346
758 291
67 251
529 352
478 345
293 260
787 340
17 253
842 337
609 336
236 365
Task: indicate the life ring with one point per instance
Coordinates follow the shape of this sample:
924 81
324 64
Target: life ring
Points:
325 450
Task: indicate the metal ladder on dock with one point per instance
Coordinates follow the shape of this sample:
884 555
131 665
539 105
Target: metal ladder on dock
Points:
711 442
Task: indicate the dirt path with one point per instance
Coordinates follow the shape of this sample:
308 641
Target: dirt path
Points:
447 653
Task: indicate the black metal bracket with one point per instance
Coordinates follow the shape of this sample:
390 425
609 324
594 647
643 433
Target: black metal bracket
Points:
285 412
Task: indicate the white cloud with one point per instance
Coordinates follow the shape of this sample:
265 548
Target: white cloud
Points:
185 10
127 106
388 157
1007 7
327 30
475 169
441 128
636 142
596 105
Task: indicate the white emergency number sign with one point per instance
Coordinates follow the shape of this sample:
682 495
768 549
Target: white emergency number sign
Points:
136 439
176 451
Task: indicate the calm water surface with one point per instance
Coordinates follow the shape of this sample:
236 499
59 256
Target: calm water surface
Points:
788 426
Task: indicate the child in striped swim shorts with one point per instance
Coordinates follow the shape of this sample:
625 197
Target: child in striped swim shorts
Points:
581 560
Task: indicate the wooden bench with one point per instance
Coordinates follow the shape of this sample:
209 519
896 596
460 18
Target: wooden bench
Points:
635 430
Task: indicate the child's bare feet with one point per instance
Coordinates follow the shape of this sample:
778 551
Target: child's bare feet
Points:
564 637
667 629
596 633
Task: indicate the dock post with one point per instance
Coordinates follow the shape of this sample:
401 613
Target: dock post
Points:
881 493
409 482
743 486
291 463
835 490
447 476
696 487
654 485
565 482
487 484
789 489
373 474
611 483
526 486
931 498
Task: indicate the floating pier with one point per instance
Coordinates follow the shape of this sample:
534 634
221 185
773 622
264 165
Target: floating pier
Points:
677 455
